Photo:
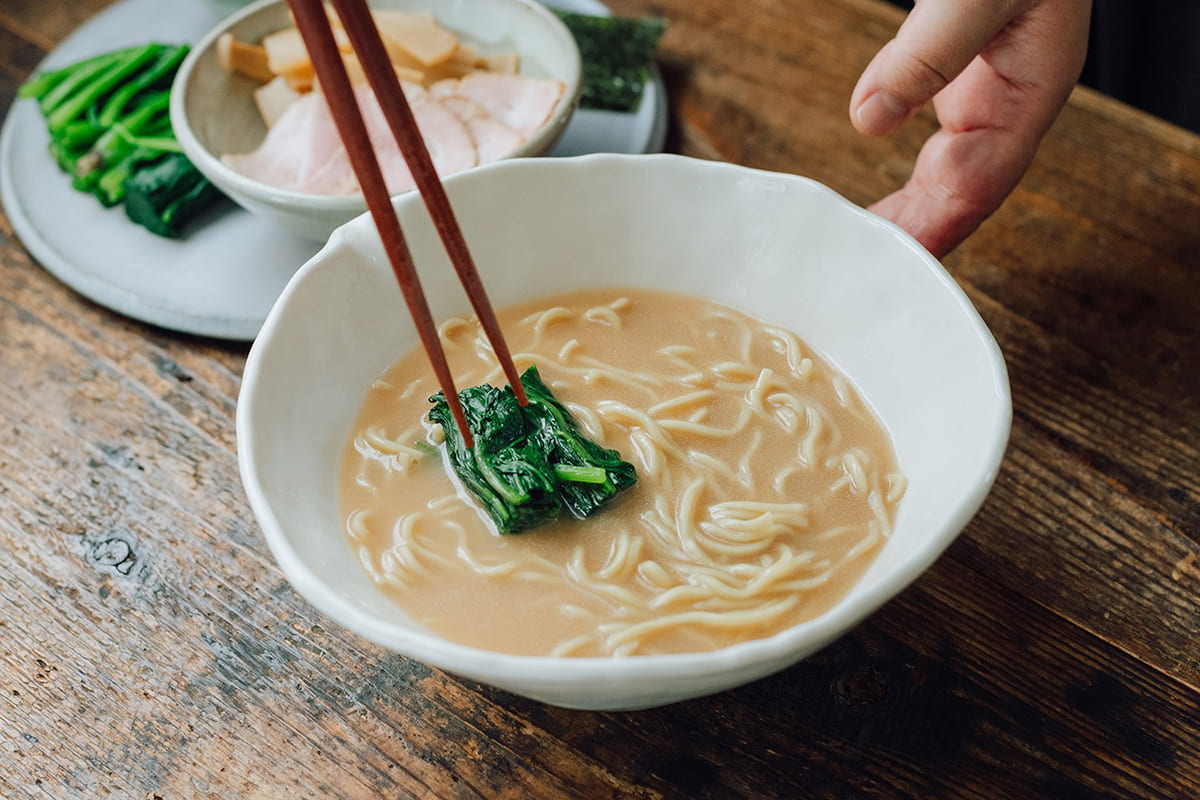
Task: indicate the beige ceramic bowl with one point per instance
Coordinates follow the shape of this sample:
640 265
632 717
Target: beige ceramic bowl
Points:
213 112
782 248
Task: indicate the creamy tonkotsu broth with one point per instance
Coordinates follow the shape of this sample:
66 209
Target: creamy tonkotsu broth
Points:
765 485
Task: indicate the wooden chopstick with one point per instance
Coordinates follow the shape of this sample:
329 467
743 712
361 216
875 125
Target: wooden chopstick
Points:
368 46
313 24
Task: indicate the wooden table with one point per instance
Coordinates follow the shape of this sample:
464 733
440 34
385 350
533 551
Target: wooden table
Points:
149 647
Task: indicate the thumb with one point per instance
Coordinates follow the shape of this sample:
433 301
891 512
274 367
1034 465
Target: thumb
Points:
936 42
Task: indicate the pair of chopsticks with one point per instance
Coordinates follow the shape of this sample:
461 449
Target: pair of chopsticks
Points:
313 22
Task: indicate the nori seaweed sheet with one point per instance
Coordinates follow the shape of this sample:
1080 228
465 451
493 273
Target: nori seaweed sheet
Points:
617 54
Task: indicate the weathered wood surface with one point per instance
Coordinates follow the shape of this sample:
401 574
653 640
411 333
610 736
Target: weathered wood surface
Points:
150 648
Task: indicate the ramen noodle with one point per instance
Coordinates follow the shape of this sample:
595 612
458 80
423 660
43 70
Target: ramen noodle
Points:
765 484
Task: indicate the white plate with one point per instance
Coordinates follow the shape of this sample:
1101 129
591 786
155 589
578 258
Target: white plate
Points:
222 278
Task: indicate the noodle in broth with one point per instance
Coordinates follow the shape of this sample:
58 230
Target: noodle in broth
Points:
765 484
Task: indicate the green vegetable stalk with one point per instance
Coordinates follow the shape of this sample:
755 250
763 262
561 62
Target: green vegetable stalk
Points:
530 463
110 130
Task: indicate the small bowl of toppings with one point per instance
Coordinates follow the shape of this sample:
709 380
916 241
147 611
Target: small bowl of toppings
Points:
486 80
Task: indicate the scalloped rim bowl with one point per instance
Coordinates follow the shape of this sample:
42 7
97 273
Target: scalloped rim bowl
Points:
781 247
213 112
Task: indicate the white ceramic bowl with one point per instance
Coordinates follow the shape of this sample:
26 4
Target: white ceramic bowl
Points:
213 112
780 247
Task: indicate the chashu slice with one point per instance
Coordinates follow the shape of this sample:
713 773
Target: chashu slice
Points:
303 152
521 102
493 139
302 143
446 138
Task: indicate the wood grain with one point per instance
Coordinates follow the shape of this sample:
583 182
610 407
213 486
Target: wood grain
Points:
149 647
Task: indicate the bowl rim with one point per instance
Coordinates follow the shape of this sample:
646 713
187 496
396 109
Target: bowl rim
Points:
792 643
211 164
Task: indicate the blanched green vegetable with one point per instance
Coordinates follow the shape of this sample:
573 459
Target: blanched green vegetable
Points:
505 473
109 122
589 475
167 193
617 53
528 464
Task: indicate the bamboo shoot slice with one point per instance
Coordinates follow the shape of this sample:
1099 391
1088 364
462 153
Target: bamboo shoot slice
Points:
273 98
285 52
425 40
248 59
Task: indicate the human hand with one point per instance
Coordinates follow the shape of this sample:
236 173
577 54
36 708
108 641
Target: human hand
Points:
998 73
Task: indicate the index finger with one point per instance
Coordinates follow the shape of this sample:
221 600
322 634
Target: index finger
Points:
936 42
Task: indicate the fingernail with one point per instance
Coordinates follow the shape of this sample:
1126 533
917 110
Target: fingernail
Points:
881 113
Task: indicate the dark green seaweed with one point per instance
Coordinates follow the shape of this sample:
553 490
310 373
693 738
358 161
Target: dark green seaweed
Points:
618 54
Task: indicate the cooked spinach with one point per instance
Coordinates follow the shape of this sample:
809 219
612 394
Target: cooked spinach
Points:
578 461
165 192
110 130
528 464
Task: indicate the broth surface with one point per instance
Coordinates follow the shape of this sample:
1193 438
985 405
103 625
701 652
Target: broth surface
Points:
765 485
